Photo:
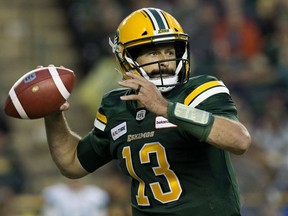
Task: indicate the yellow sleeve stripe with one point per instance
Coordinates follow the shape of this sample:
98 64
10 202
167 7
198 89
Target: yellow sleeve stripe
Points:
101 117
210 92
200 89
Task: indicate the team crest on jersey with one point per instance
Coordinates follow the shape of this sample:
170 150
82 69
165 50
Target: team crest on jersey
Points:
119 131
161 122
140 115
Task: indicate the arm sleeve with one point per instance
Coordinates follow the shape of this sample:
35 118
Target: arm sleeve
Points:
93 150
196 122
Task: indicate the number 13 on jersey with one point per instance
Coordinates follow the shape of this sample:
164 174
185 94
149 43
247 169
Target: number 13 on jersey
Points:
163 168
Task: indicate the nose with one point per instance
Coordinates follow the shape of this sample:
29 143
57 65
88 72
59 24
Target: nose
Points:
164 62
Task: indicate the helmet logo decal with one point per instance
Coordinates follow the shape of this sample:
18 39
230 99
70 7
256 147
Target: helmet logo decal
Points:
116 38
115 43
163 31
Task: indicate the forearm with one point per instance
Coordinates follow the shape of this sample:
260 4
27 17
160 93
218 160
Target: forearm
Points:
215 130
229 135
63 146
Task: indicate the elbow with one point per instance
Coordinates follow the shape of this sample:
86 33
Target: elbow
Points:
72 175
72 171
243 143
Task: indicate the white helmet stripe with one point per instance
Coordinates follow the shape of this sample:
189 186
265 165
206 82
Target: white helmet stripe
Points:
157 18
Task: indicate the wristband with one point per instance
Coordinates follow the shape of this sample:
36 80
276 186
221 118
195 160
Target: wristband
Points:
195 121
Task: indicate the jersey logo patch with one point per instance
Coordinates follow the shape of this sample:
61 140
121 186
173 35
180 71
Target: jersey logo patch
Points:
119 131
161 122
140 115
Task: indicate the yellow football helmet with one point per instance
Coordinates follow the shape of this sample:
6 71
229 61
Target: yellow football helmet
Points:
147 27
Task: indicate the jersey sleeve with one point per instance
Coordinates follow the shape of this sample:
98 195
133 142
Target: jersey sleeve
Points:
212 96
93 149
225 107
96 148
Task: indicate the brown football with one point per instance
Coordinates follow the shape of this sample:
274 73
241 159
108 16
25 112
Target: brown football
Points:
39 92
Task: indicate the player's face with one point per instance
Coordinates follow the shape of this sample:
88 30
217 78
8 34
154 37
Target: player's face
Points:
162 53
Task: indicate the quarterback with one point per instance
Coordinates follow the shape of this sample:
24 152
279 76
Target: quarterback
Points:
171 133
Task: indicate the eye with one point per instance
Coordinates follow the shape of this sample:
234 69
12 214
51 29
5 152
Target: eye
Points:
171 52
153 53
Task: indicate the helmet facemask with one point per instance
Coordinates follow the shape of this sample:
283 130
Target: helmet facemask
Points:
164 79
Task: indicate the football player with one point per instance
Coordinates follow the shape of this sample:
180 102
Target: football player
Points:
171 134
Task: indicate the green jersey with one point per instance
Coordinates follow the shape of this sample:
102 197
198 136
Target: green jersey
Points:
173 173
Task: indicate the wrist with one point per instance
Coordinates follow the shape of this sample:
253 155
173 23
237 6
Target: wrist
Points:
197 122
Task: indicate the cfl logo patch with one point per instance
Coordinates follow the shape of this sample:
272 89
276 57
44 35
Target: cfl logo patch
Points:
140 115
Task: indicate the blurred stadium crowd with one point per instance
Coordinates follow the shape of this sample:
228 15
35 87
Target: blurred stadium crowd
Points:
242 42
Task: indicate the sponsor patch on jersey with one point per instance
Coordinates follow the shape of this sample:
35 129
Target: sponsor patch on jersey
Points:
119 131
161 122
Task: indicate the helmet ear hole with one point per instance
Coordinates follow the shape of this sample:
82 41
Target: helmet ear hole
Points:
123 65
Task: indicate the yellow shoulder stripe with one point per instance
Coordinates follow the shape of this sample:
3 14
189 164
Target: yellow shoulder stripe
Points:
201 89
101 117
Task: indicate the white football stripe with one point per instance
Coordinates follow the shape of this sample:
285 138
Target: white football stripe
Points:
203 96
58 82
17 104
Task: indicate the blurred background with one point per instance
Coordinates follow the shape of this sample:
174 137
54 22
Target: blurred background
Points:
242 42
